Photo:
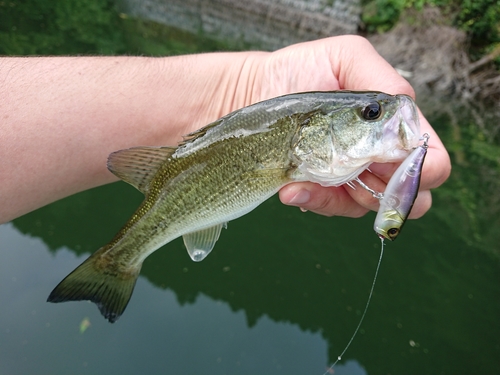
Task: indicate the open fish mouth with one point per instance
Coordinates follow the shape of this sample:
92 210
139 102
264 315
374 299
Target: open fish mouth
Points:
402 131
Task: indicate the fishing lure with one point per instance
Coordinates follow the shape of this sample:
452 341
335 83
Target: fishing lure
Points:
400 194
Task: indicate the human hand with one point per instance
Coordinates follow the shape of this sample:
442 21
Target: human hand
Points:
124 101
346 62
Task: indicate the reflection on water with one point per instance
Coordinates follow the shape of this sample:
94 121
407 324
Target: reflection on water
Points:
281 293
164 337
202 337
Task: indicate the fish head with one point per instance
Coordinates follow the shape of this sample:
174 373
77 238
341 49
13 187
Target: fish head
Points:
377 128
353 131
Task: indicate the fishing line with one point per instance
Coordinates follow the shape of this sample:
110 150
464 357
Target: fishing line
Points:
329 370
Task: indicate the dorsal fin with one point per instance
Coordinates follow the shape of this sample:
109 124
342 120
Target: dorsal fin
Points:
138 165
188 138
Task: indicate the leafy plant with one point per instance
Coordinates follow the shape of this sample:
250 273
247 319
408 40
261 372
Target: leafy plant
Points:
34 27
479 18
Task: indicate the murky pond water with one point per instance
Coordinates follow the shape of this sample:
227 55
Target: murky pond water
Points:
281 293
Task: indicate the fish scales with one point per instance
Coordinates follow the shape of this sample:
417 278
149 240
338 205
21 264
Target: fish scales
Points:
228 180
228 168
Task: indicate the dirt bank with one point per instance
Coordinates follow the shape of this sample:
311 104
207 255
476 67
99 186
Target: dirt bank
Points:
433 56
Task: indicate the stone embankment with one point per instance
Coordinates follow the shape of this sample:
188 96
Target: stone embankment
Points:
427 51
256 24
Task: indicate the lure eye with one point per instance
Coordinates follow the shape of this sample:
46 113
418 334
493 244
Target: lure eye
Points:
393 233
372 111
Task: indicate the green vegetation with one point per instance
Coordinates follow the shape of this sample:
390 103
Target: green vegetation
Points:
70 27
468 202
153 39
480 19
32 27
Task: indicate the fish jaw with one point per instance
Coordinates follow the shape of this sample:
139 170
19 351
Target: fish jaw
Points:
396 140
401 133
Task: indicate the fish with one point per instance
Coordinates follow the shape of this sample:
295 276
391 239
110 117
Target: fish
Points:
227 168
399 196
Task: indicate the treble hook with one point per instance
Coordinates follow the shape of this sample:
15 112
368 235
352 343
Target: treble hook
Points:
375 194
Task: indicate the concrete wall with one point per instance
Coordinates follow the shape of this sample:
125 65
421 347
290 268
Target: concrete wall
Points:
258 24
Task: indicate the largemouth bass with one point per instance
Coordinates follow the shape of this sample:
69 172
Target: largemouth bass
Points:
228 168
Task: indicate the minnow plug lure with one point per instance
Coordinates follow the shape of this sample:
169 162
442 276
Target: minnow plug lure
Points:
400 194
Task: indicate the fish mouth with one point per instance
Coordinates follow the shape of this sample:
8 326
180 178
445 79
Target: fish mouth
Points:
402 132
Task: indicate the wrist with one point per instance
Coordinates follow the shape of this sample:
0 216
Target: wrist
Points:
199 89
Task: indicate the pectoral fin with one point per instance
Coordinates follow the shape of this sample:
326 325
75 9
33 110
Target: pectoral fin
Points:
199 244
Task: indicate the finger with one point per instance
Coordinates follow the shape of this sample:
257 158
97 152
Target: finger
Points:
422 204
328 201
359 66
363 197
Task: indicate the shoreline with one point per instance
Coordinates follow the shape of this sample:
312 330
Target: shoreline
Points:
423 46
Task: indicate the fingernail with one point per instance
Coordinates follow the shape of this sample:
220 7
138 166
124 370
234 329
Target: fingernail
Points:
301 197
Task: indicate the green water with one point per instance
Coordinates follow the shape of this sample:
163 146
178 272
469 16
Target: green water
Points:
281 293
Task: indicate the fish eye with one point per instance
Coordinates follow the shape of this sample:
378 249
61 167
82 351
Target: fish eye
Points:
372 111
393 233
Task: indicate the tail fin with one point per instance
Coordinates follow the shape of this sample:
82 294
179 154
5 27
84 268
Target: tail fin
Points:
108 288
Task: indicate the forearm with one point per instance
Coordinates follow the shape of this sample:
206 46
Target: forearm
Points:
61 117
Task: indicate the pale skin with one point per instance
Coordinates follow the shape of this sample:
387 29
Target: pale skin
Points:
62 116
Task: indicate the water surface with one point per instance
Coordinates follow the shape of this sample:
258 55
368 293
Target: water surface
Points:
281 293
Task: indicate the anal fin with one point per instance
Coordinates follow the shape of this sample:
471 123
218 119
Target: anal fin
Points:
200 243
